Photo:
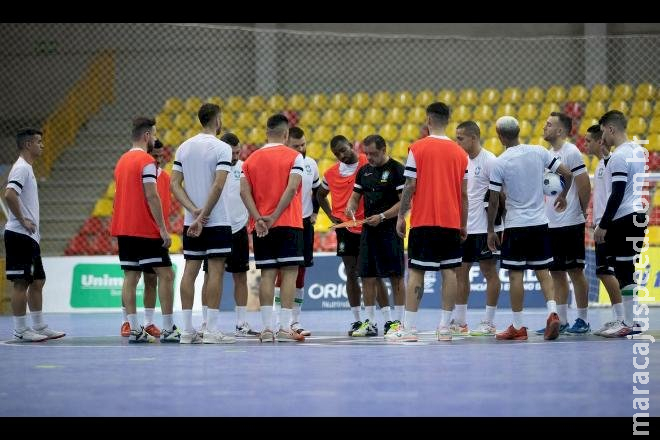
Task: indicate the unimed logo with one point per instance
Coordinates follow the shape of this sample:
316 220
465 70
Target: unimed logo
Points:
105 281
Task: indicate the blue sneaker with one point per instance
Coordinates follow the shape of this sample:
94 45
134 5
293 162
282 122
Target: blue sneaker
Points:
563 329
579 327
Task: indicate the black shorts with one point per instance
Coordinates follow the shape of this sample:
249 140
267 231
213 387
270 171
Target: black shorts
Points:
348 243
527 247
381 251
602 266
23 258
620 250
139 253
239 260
475 248
282 246
213 242
308 242
433 248
567 244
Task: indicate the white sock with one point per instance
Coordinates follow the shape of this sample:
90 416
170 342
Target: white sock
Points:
133 320
356 312
398 313
387 313
409 320
240 314
582 314
20 323
552 306
618 311
148 316
297 305
187 321
205 313
124 316
460 311
267 317
371 313
562 311
518 320
37 320
212 324
168 322
285 316
277 302
445 318
628 302
490 313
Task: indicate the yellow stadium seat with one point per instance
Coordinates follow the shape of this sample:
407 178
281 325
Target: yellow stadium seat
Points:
538 140
309 118
256 136
400 148
403 99
600 92
235 104
339 101
374 116
446 96
315 150
654 235
168 167
217 101
654 127
345 130
318 101
322 134
538 128
331 117
525 128
636 125
176 245
328 154
417 115
585 124
505 110
352 116
323 223
483 112
110 191
491 131
483 127
641 108
527 111
262 119
103 208
256 103
365 130
164 122
192 104
389 132
297 102
622 92
548 108
461 113
534 95
622 106
173 106
489 97
183 121
656 109
493 145
241 133
578 93
654 145
555 94
190 133
173 137
594 109
360 100
645 91
227 119
511 95
277 103
246 120
396 115
468 97
424 98
409 132
381 100
451 130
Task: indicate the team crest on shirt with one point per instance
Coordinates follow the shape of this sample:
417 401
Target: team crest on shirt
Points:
237 173
308 168
385 175
477 171
342 246
600 172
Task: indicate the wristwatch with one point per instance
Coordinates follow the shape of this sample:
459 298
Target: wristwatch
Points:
382 217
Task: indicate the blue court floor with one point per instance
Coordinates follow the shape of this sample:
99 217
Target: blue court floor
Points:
95 372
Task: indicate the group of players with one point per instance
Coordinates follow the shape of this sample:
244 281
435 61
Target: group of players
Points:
465 204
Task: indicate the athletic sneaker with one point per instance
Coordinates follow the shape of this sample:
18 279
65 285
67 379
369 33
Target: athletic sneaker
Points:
289 336
621 329
267 335
202 328
296 327
173 335
458 330
125 329
485 328
391 326
579 327
49 333
243 330
29 335
356 325
217 337
553 327
605 327
444 333
139 336
401 334
366 329
193 337
511 334
563 329
153 330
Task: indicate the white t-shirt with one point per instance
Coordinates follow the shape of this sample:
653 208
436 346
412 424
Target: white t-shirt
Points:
478 175
519 173
238 213
198 158
310 180
570 156
599 191
21 179
624 165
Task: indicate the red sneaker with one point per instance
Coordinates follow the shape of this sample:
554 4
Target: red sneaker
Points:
551 327
125 329
511 334
152 330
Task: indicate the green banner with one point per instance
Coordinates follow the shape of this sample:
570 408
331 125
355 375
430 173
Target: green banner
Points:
99 285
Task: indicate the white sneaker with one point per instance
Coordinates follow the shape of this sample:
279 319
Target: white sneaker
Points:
139 336
49 333
401 334
296 327
443 333
29 335
287 335
173 335
266 335
243 330
605 327
193 337
202 328
616 330
485 328
217 337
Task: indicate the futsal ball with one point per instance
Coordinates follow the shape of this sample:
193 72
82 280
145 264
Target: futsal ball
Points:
552 184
